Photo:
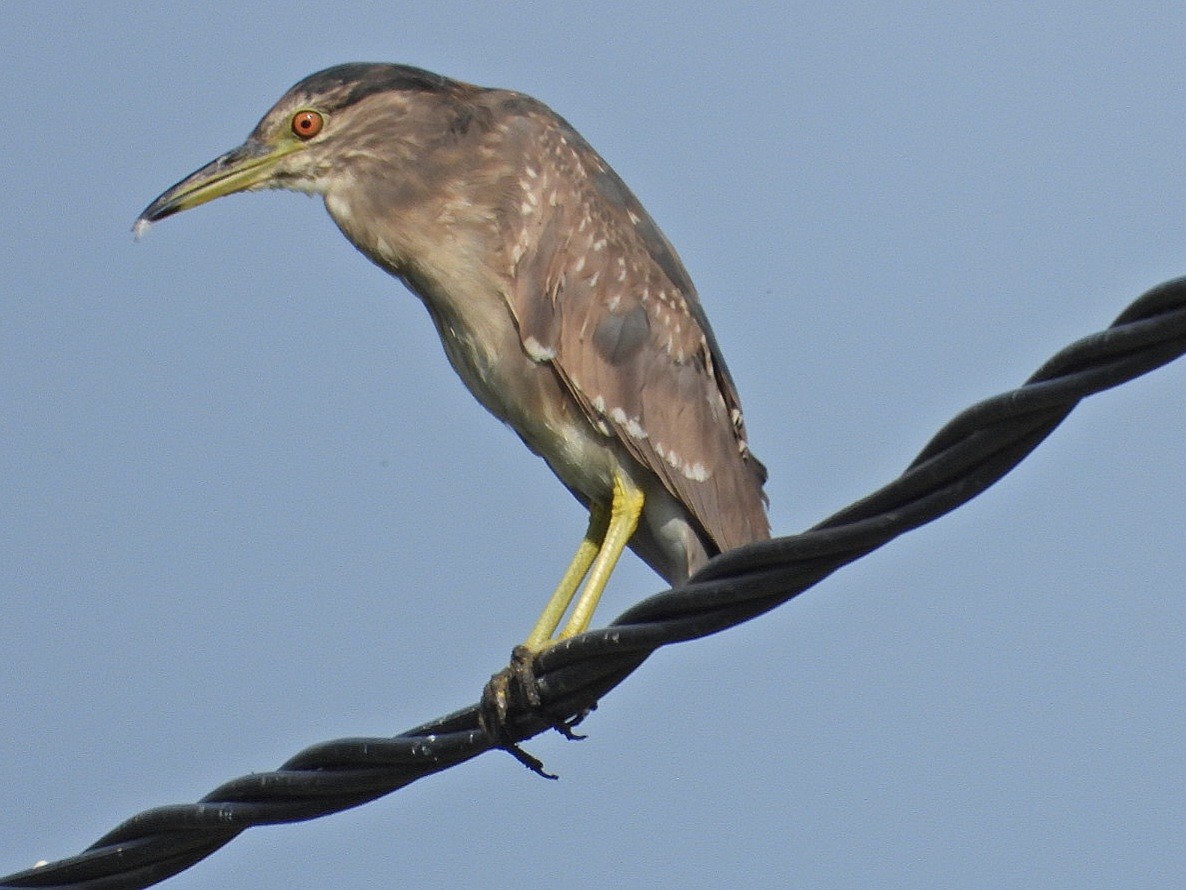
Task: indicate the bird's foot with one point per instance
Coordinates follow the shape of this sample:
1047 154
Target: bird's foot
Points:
513 689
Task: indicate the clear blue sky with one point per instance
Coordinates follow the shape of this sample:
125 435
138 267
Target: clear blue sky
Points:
245 506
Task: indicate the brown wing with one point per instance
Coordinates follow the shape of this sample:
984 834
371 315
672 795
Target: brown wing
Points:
603 296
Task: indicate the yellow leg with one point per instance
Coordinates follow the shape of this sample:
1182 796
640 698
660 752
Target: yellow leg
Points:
549 619
623 520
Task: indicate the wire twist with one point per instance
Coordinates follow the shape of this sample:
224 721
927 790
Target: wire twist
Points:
964 458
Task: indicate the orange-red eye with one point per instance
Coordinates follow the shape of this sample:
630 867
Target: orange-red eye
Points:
307 124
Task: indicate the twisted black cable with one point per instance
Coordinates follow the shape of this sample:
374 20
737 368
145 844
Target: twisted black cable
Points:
968 455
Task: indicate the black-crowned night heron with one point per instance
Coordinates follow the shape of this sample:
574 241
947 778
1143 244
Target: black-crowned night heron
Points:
558 301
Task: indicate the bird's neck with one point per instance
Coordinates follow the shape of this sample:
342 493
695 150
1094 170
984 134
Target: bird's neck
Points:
450 272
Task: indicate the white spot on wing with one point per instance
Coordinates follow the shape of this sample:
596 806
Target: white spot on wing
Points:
537 350
634 428
697 472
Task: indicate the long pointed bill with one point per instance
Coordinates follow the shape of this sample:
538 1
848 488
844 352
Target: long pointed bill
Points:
248 166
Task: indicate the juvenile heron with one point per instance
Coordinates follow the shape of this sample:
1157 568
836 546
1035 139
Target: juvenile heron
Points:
559 302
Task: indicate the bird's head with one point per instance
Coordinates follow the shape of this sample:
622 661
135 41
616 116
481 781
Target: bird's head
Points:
334 126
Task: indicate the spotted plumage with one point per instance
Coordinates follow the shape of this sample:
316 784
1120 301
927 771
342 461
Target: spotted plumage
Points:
605 299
